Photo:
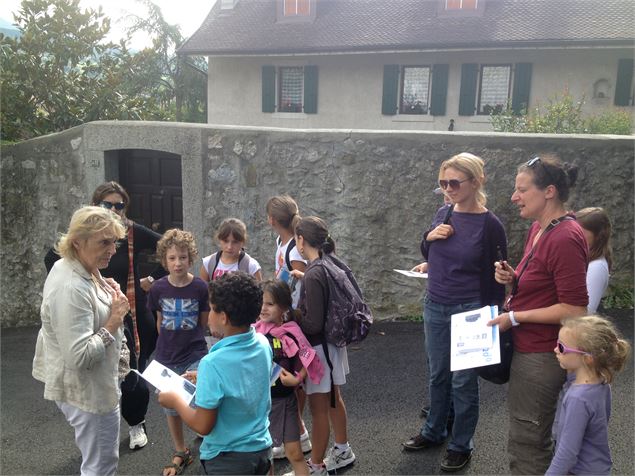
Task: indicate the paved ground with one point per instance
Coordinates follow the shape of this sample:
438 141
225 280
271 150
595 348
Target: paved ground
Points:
383 396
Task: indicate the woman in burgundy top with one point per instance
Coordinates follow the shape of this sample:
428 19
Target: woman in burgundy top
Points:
548 285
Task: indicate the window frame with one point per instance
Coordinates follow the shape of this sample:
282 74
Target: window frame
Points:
402 78
460 8
279 71
479 91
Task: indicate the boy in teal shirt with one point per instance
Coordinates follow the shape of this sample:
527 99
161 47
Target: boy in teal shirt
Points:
233 395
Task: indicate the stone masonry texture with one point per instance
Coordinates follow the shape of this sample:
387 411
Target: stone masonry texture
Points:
374 189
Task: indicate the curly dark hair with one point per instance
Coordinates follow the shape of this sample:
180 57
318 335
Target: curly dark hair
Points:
238 295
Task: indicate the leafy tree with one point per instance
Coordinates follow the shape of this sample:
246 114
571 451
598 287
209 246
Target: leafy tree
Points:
562 115
179 82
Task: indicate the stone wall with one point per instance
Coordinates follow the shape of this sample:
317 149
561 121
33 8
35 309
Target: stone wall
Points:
373 188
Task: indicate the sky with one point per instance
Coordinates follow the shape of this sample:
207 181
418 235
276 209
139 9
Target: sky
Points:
188 14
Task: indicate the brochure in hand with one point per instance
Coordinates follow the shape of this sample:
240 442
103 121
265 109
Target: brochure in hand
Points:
165 380
472 343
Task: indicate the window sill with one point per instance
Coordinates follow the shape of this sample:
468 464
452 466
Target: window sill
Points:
289 115
481 119
413 118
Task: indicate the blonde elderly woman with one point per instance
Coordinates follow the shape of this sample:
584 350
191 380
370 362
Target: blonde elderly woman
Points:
80 342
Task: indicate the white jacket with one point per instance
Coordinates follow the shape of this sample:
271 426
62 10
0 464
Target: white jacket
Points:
70 358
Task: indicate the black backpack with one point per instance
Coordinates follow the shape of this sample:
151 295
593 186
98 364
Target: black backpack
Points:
348 317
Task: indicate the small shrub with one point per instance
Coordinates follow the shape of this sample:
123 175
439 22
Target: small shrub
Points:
618 297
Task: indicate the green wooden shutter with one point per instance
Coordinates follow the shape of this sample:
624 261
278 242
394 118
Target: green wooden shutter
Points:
467 96
268 88
439 90
310 89
624 82
522 86
391 89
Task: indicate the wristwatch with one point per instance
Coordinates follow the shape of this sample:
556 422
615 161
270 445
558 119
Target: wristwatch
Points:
150 279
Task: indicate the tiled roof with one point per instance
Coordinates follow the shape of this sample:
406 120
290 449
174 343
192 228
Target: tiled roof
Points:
390 25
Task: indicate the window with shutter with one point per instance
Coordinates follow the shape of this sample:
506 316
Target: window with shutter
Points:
290 89
415 88
624 94
461 4
495 81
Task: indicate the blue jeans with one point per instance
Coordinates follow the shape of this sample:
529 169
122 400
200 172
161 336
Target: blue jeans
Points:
459 388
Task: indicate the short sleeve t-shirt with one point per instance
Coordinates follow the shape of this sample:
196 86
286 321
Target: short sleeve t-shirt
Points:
234 378
182 337
283 272
223 268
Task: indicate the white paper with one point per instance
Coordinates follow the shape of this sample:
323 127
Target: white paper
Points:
276 370
472 343
412 274
164 380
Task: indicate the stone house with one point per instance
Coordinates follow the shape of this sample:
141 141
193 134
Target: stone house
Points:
410 64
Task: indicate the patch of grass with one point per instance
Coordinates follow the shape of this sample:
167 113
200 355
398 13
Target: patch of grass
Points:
410 318
618 297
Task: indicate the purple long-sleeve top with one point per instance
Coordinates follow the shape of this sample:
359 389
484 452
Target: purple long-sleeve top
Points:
581 431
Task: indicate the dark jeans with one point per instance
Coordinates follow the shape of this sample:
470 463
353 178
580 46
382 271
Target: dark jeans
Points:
446 388
235 462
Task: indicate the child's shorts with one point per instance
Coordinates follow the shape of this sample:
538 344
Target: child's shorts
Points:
239 462
180 370
283 420
339 360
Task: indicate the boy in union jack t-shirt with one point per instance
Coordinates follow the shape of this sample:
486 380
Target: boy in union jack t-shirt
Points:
181 304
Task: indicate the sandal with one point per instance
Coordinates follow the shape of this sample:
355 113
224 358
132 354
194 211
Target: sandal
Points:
186 460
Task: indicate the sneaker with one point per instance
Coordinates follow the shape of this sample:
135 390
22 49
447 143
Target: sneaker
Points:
455 461
419 443
317 470
337 458
138 437
305 442
278 452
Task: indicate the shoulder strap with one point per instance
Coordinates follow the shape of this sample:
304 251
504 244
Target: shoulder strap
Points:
215 258
243 261
287 255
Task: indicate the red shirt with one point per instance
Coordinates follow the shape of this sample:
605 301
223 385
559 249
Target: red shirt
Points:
556 273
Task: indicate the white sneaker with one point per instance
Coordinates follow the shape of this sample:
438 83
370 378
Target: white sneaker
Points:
138 437
337 458
305 442
319 471
278 452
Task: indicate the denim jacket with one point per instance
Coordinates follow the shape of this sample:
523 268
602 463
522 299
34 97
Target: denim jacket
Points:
70 358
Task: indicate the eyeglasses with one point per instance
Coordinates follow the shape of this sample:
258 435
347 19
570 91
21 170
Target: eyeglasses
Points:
109 205
453 184
536 160
563 349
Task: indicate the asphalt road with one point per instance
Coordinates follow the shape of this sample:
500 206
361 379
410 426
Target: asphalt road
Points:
383 395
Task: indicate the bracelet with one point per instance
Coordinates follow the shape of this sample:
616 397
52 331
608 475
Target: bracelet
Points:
512 319
105 336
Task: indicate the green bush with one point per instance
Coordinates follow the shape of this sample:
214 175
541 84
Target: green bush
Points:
562 115
618 297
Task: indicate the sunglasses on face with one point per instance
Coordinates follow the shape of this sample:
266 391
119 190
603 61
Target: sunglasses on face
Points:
563 349
109 205
452 184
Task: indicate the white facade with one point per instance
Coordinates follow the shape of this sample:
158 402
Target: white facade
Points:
350 86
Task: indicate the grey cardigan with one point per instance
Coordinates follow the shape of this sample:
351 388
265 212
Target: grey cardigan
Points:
70 358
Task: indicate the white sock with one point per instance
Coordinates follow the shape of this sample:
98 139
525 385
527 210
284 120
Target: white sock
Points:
342 446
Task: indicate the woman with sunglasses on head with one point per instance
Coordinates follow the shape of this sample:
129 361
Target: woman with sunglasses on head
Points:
460 248
548 286
124 268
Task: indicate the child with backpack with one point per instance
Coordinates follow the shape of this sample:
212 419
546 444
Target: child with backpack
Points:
592 351
282 216
293 352
180 301
316 245
231 236
233 399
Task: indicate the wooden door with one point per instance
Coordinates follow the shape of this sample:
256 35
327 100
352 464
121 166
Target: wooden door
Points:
153 181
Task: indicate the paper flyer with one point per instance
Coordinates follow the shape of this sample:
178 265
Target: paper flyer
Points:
164 380
412 274
472 342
